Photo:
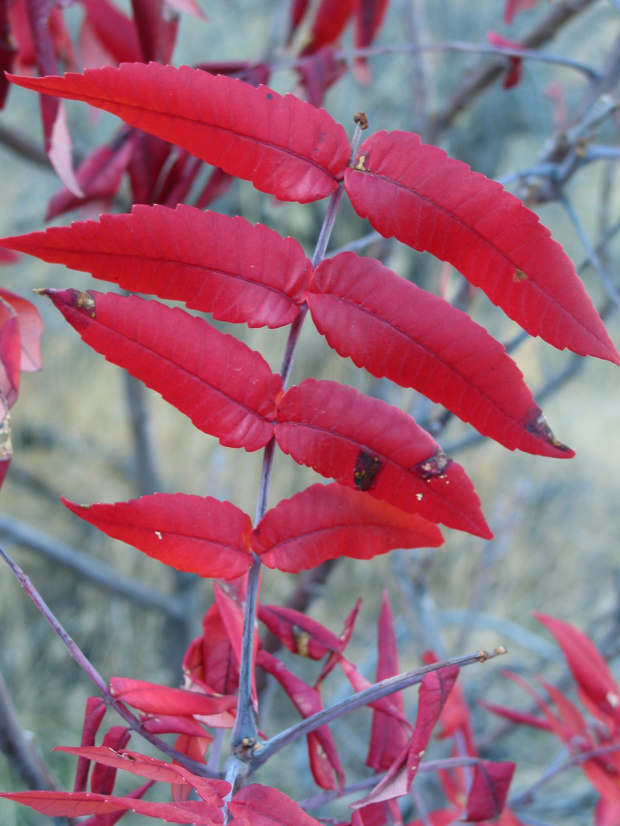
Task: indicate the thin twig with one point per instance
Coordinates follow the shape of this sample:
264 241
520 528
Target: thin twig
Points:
24 146
529 794
370 782
362 698
483 73
360 244
596 262
90 670
91 569
245 733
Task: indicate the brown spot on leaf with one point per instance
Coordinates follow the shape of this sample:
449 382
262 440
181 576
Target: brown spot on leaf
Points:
302 640
537 424
367 468
519 276
360 165
361 118
85 302
433 467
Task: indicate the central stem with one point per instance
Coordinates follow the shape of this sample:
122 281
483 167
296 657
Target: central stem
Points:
245 733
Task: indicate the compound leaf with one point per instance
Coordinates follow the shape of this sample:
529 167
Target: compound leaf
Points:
283 146
214 263
328 521
394 329
189 533
434 203
225 388
367 444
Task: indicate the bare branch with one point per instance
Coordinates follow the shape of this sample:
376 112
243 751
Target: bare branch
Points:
596 262
529 794
362 698
24 146
20 747
147 479
91 569
485 72
90 670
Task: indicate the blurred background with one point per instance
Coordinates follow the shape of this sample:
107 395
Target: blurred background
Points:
77 425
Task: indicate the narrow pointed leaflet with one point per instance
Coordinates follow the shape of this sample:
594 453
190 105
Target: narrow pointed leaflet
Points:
189 533
300 634
368 445
489 790
283 146
434 203
328 521
434 691
394 329
78 804
214 263
159 699
388 737
225 388
266 806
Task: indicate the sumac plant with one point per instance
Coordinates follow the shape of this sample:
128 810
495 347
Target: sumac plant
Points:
392 484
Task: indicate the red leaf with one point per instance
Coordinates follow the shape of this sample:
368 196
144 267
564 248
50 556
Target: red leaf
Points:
146 166
587 666
434 203
189 533
298 10
30 331
179 180
115 30
513 76
455 716
322 751
378 814
159 699
519 717
210 658
319 72
393 328
156 33
225 388
514 7
440 817
265 806
218 184
367 444
167 724
256 74
10 352
214 263
77 804
607 813
328 521
103 777
285 147
299 633
232 615
331 18
345 636
434 691
99 176
368 16
136 794
94 714
360 683
60 151
387 736
489 790
156 770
